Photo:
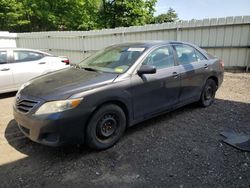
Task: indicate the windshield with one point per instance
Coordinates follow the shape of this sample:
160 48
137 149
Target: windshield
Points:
113 59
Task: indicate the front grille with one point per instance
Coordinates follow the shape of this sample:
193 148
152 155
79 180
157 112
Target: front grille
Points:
25 105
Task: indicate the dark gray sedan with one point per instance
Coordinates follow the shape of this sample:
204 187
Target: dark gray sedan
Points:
117 87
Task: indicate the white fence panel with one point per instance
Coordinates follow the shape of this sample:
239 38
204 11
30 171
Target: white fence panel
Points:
227 38
7 39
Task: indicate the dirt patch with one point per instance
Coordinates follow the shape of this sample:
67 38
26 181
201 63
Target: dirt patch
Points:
179 149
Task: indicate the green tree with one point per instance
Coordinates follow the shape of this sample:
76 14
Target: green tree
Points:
89 18
170 16
123 13
54 15
50 15
11 15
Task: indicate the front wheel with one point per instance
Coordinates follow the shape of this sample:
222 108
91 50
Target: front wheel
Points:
106 127
208 93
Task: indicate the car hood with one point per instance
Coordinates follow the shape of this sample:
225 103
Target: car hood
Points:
62 84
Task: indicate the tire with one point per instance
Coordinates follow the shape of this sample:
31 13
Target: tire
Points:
105 127
208 93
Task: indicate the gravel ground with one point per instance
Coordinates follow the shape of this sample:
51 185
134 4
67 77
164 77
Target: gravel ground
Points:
179 149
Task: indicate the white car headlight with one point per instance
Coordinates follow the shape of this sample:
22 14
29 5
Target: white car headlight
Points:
58 106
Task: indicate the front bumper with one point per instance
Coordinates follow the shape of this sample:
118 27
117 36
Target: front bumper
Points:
54 129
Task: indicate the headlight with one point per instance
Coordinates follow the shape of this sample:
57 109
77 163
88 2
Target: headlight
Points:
58 106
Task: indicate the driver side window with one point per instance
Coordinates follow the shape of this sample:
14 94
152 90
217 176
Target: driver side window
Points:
160 58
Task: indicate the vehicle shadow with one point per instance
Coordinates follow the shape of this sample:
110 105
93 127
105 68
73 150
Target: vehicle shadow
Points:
164 117
7 95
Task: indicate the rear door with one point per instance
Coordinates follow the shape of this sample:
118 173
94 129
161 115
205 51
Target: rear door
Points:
153 93
27 65
6 78
193 67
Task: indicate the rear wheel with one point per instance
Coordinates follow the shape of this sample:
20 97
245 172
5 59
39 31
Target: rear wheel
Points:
106 127
208 93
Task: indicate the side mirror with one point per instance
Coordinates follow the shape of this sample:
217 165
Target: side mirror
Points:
146 69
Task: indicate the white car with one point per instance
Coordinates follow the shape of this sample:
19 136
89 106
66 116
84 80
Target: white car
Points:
18 65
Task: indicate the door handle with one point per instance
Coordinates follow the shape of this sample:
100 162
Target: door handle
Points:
175 74
41 63
5 69
206 66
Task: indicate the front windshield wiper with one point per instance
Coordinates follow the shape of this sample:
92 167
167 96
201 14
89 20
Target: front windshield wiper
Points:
88 69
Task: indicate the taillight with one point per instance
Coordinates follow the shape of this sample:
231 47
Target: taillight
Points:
66 61
222 64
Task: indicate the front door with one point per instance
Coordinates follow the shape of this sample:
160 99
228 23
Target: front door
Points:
153 93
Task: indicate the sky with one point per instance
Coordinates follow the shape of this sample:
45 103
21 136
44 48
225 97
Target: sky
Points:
200 9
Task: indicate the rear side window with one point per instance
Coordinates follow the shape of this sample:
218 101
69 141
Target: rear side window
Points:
187 54
160 58
23 56
199 56
3 57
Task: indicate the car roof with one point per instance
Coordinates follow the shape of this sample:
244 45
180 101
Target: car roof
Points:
152 43
155 43
24 49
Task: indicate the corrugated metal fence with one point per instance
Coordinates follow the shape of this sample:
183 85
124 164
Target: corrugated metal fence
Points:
227 38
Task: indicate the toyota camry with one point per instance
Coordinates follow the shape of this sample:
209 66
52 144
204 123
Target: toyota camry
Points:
119 86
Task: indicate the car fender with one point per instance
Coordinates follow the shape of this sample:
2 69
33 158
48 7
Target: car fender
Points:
110 93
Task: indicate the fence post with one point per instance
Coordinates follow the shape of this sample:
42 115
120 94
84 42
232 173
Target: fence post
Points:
178 32
123 35
248 61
